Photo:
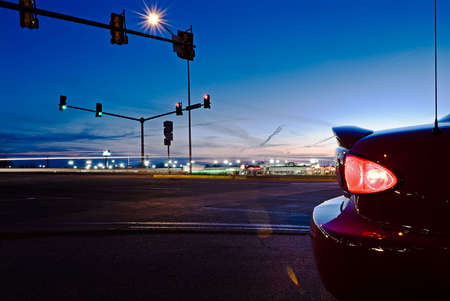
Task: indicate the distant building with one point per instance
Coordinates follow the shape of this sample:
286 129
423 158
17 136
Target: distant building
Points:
292 168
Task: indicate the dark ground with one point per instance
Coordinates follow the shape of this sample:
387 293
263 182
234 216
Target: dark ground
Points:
53 199
152 265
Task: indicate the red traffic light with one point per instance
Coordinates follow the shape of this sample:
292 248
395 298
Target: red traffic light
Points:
206 101
178 108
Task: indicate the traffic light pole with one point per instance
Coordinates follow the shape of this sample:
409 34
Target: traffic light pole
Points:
168 159
189 114
46 13
142 121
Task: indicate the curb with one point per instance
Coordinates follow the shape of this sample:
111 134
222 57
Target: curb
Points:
287 178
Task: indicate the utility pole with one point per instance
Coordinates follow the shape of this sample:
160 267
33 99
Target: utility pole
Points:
189 113
189 118
168 158
142 120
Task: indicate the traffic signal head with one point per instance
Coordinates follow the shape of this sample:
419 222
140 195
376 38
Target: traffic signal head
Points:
168 130
62 102
27 18
118 35
184 45
206 101
98 110
179 108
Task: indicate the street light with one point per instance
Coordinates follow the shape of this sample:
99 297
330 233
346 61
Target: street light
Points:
153 18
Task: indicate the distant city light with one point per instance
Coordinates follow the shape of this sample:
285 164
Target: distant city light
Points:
153 166
225 161
216 162
70 162
146 163
121 165
106 153
88 162
253 161
271 161
238 161
277 161
166 165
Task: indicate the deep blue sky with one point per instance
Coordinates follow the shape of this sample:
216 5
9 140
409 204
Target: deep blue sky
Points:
303 66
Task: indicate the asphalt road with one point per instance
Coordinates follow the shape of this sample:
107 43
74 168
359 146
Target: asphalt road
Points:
60 199
149 265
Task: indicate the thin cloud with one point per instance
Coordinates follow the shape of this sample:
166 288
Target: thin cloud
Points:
320 142
276 132
23 141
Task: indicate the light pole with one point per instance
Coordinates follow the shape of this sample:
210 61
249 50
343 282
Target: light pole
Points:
153 18
189 116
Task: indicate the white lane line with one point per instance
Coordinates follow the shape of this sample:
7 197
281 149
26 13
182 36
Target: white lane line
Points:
259 211
193 224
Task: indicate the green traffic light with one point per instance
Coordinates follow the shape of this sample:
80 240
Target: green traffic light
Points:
100 113
64 107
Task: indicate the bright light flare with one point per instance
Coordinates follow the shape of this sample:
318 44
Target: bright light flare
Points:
152 19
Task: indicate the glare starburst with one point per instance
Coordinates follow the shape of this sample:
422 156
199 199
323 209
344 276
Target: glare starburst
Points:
152 19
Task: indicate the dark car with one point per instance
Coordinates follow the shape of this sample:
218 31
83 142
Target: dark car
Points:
389 234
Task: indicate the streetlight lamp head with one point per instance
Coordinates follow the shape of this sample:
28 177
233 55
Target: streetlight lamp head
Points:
153 19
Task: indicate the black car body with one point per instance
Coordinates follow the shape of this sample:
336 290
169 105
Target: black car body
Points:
389 234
